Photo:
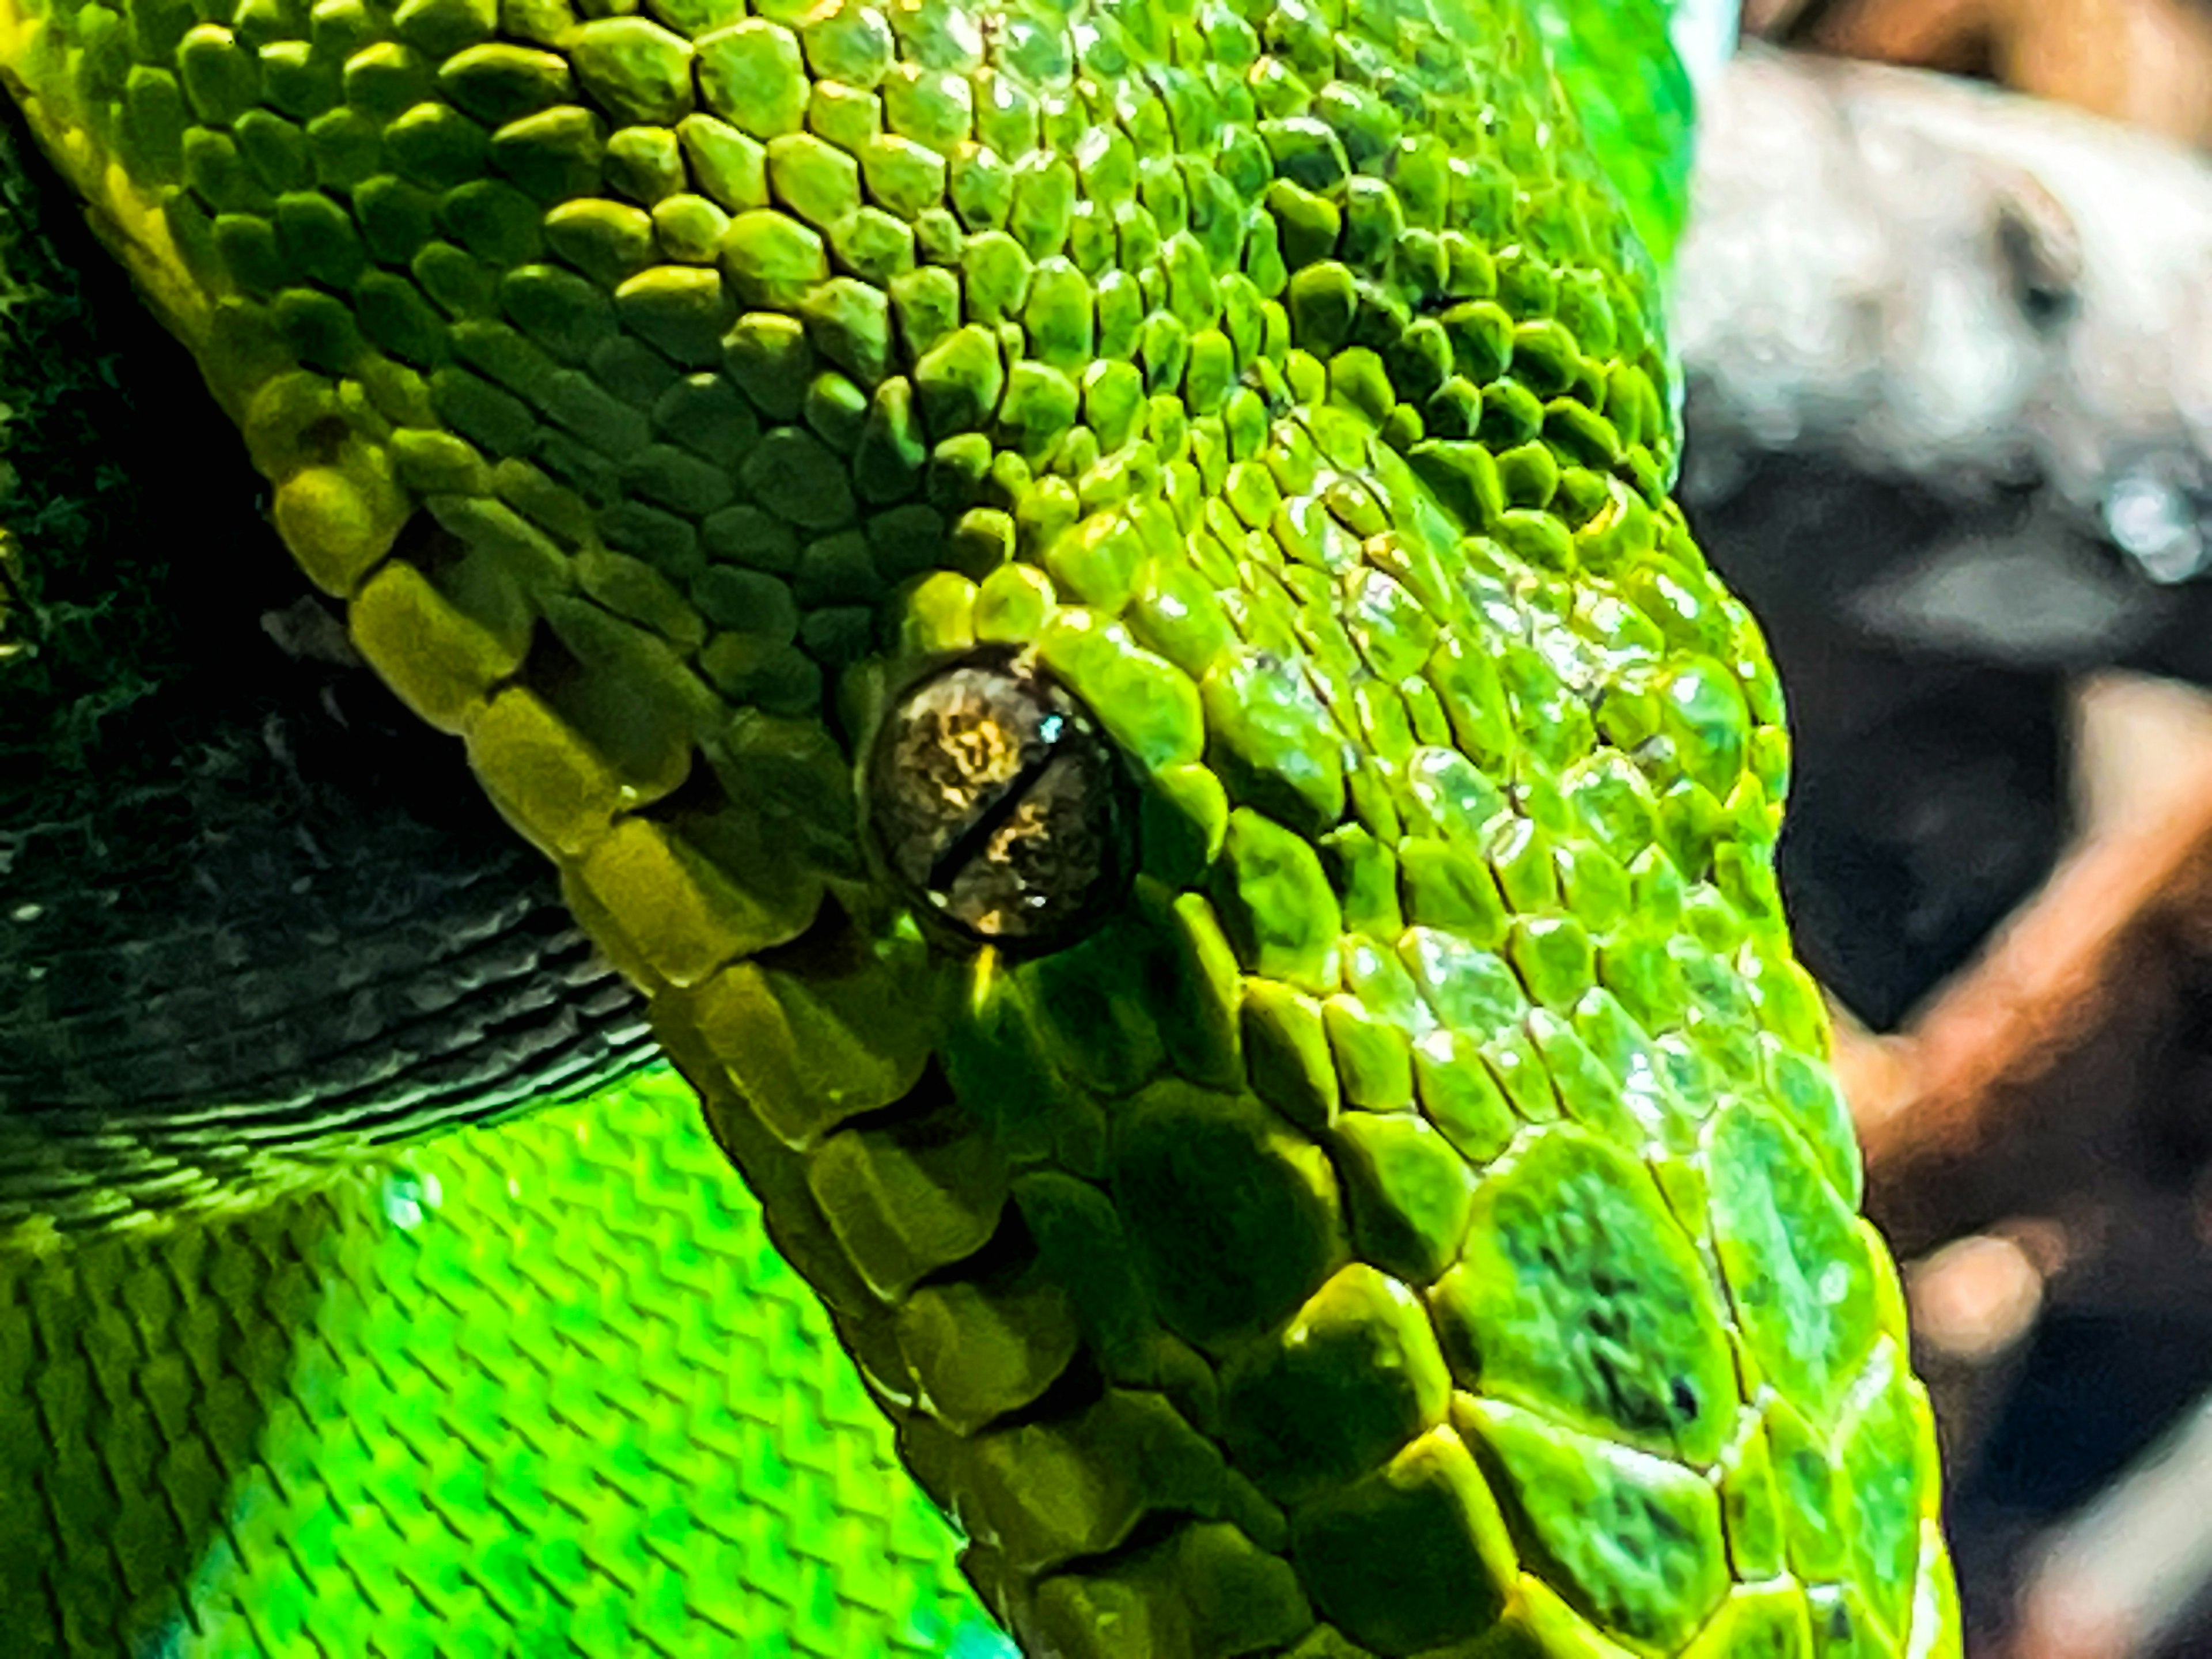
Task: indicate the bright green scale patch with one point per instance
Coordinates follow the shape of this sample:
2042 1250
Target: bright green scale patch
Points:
1635 102
545 1386
1417 1219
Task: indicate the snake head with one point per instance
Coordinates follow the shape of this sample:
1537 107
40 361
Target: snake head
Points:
1084 596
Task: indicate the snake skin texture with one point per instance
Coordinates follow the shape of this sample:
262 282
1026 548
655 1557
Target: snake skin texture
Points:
459 1403
158 1053
1326 1152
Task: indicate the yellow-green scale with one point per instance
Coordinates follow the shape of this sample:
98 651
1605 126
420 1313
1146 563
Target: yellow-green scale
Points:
1418 1219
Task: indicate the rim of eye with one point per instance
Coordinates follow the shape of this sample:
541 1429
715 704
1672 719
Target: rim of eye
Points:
1000 806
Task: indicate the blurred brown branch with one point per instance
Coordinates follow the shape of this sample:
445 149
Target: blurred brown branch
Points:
1991 1101
2023 1088
2148 63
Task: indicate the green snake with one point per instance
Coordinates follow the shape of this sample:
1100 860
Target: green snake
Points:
1084 596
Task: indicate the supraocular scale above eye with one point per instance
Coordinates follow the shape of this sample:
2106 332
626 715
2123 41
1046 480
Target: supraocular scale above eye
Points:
1000 805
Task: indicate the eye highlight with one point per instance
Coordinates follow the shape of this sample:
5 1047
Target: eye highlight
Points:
1002 807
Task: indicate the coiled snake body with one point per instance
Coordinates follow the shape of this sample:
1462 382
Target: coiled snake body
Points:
1084 596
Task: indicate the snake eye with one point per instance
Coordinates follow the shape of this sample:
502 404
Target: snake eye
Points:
1001 806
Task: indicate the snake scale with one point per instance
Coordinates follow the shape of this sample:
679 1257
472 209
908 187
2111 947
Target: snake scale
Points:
1083 593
